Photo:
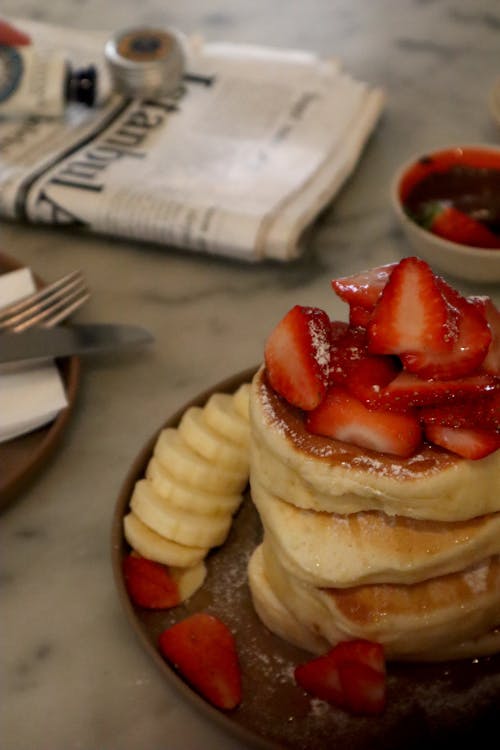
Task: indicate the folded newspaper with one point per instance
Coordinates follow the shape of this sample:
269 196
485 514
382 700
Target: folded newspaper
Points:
239 163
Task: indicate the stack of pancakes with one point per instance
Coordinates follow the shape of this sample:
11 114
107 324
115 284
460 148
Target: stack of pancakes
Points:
359 544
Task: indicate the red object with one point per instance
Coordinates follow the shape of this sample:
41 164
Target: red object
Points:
343 417
203 650
491 362
416 354
456 226
11 35
469 348
149 584
359 316
352 365
442 161
477 412
411 314
297 356
363 289
352 676
473 443
407 391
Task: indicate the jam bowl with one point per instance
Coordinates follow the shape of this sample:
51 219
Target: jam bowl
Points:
448 204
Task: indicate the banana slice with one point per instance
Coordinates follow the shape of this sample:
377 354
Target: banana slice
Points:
189 498
188 467
149 544
220 414
181 526
189 580
204 440
241 398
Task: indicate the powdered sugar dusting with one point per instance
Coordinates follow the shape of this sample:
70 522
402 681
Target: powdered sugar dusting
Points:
477 578
320 344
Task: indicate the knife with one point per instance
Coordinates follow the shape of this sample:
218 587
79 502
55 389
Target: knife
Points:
63 341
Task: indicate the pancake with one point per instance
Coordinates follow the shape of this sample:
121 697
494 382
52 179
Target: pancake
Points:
323 474
274 614
446 617
329 549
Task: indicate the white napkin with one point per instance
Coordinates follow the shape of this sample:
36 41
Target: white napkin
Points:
31 395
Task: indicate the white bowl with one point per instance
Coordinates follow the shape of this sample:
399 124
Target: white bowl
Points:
462 261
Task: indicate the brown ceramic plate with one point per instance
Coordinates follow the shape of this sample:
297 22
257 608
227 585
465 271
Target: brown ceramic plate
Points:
22 458
427 704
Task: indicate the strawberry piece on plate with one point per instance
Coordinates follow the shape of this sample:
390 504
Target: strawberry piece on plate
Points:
344 417
363 651
297 356
363 289
202 648
468 350
351 675
321 678
411 314
472 443
149 584
364 688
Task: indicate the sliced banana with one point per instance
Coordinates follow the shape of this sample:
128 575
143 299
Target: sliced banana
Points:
187 466
149 544
189 580
220 414
211 445
192 487
181 526
189 498
241 399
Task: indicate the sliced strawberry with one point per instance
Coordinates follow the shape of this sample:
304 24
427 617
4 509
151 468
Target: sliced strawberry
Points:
321 678
359 316
407 391
468 349
203 649
352 365
337 330
347 350
491 362
363 651
351 675
477 412
364 688
411 314
470 443
343 417
454 225
363 289
149 584
371 376
297 356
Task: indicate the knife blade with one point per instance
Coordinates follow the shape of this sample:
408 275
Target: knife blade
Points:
63 341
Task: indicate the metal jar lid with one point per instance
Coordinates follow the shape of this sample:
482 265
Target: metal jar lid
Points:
146 62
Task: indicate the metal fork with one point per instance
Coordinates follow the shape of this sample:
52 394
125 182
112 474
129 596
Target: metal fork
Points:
46 307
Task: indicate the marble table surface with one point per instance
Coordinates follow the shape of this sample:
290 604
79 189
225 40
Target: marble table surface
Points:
73 674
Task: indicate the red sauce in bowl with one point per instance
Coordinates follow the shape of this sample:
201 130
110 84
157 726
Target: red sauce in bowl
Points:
467 179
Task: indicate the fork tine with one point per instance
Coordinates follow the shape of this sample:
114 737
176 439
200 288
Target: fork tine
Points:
40 308
52 315
25 303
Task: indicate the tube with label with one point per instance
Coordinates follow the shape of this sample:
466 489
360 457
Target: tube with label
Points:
32 83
